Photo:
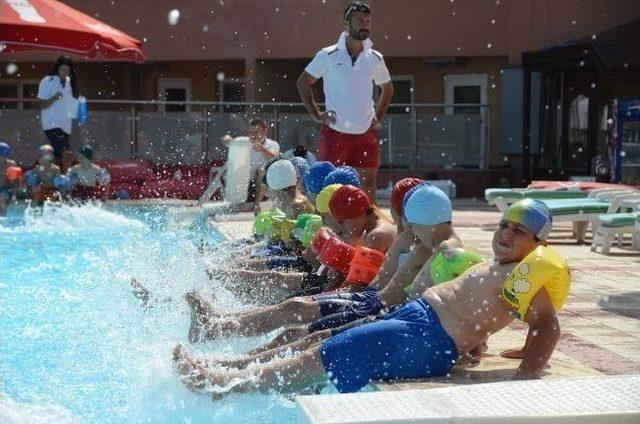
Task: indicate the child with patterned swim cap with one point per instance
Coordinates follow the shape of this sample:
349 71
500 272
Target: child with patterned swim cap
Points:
425 337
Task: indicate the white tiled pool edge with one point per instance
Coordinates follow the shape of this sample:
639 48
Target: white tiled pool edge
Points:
570 400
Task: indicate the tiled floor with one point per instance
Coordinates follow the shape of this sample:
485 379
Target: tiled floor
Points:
600 322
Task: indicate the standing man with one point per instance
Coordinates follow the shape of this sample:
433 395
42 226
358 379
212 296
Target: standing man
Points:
349 69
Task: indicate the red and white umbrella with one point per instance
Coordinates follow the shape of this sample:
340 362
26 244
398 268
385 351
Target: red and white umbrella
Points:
36 25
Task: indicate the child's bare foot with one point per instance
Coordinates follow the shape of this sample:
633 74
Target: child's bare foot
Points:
140 292
513 353
200 311
195 376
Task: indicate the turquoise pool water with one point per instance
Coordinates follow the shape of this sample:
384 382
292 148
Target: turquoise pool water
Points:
75 344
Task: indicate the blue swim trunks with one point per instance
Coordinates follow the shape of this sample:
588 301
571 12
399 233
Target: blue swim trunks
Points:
291 263
338 309
408 343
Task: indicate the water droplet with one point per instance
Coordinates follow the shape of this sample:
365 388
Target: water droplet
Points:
493 21
205 28
173 16
220 76
408 37
11 68
489 45
573 22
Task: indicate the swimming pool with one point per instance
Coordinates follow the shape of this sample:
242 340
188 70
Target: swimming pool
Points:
75 344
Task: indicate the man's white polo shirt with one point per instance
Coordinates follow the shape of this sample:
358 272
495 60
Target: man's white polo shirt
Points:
56 115
348 87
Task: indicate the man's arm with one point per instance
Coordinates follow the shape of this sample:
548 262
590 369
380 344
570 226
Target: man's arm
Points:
386 94
268 154
304 83
544 332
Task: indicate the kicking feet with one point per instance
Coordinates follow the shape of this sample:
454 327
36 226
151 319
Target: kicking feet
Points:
140 292
201 312
193 371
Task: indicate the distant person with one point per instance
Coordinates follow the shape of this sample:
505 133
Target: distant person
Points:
301 152
9 173
263 149
347 68
89 180
41 179
56 92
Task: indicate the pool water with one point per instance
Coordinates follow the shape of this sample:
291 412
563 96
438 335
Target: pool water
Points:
75 345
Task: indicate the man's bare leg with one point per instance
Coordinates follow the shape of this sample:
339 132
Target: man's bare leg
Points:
286 375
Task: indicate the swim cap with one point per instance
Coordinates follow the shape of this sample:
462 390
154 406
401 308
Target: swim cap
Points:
5 150
345 175
314 178
281 175
532 214
399 191
270 162
45 150
426 204
301 166
324 197
349 202
86 151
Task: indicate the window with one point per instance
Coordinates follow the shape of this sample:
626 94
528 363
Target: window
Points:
19 89
402 93
233 90
465 88
174 90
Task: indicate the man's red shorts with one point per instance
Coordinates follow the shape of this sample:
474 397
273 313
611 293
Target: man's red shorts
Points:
357 150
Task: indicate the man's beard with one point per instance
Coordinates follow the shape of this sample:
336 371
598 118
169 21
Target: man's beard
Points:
359 35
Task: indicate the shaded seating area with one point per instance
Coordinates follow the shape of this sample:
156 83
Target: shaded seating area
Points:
142 179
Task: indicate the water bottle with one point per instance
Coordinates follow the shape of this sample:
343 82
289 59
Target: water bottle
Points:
83 110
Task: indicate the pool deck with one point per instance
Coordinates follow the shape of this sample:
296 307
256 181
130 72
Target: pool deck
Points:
600 323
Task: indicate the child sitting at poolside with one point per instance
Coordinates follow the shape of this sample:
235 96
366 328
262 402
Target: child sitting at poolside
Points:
10 176
425 337
89 180
40 179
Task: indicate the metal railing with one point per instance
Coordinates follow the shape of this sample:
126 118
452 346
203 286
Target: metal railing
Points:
412 136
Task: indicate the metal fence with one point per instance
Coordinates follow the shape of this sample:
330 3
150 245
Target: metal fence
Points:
412 136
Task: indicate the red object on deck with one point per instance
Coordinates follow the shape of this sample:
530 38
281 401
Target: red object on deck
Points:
38 25
138 179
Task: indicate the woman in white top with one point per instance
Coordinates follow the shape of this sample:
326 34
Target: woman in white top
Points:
57 92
